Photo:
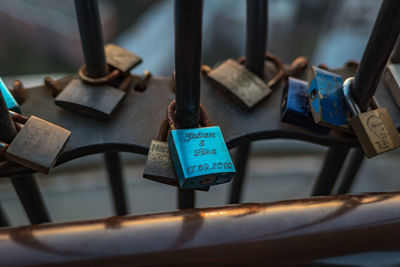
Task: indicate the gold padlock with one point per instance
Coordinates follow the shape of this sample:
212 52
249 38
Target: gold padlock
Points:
374 129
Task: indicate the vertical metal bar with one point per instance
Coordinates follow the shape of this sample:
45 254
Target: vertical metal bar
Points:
3 219
334 159
188 27
380 45
31 199
25 186
188 37
395 57
89 23
356 159
87 12
186 198
241 157
256 35
114 170
256 45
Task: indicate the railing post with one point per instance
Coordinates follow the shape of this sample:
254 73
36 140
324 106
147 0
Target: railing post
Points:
256 45
188 41
25 186
380 45
87 12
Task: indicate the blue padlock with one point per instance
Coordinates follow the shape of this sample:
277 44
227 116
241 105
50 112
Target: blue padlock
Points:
295 107
200 157
11 103
327 102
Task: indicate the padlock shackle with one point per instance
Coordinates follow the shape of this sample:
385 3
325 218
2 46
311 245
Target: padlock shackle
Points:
188 40
347 85
256 35
87 12
380 45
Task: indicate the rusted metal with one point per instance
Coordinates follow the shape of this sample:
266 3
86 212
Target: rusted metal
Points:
99 80
19 92
302 232
53 85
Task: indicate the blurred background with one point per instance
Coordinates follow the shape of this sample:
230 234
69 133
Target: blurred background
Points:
41 38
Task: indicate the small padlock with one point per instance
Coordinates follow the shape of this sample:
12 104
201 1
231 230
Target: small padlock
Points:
11 103
120 58
391 78
200 157
246 87
295 107
374 129
97 101
38 144
326 98
94 97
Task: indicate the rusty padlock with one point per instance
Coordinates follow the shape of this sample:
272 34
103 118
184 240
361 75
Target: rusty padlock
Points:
374 129
94 97
38 144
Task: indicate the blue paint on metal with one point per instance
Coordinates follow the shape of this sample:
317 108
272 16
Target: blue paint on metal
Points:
200 157
329 99
295 107
10 101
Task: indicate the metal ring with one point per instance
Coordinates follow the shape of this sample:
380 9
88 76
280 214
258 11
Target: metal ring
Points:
278 64
354 109
18 117
171 115
102 80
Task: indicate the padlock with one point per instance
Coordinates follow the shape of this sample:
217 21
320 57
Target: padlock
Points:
97 101
38 144
94 97
200 157
374 129
326 99
158 166
11 103
120 58
391 78
295 107
246 87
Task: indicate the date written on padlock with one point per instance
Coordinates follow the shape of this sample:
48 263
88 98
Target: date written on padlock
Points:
326 98
374 129
8 97
246 87
200 157
295 107
37 145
